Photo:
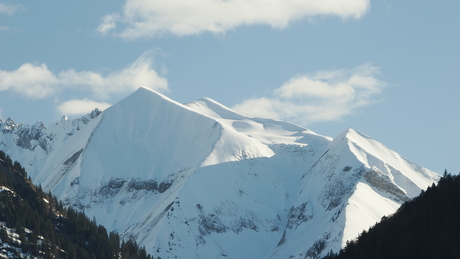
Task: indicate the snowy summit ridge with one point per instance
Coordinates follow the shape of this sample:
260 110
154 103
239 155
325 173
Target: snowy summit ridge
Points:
202 181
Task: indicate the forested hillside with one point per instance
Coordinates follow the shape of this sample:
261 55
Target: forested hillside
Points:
425 227
34 224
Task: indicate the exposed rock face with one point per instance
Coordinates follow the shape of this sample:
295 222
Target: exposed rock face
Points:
298 215
384 184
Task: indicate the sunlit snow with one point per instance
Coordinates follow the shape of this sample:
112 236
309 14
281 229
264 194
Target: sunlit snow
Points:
202 181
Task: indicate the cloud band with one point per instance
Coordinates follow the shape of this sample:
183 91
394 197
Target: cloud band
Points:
323 96
37 81
150 18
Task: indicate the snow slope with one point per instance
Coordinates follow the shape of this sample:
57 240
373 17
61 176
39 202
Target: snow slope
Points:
202 181
350 188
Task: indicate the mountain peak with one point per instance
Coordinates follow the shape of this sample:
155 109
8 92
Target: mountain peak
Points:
145 94
351 134
214 109
153 128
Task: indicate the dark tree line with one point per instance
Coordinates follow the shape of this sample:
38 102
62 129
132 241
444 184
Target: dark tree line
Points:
49 230
426 227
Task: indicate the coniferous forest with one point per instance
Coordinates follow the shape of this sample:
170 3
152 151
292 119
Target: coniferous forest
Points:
43 228
426 227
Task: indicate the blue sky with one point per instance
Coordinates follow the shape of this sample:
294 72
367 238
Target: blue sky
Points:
390 69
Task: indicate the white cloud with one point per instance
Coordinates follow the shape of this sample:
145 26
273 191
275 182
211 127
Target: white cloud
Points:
80 107
37 81
149 18
9 9
109 22
4 28
323 96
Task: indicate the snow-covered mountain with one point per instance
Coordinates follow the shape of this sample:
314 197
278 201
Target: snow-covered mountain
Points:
202 181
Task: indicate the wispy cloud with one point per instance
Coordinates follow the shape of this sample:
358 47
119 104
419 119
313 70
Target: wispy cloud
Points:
109 22
4 28
9 9
37 81
150 18
79 107
323 96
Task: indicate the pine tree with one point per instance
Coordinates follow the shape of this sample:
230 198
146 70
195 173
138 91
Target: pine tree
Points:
4 235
